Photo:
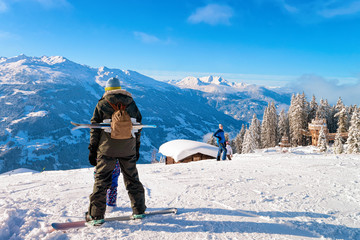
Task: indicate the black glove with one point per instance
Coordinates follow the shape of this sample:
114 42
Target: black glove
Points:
93 155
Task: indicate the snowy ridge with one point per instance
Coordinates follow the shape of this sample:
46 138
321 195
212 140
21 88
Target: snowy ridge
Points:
239 100
214 84
266 195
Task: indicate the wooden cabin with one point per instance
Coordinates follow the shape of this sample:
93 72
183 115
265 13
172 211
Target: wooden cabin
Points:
184 151
191 158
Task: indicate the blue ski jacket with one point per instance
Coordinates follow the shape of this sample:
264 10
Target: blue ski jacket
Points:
220 136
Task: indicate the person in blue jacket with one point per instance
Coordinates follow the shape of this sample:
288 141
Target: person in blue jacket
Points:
220 136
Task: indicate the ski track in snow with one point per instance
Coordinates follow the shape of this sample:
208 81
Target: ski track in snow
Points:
255 196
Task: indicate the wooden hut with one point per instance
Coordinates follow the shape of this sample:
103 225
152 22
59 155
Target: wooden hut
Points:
183 151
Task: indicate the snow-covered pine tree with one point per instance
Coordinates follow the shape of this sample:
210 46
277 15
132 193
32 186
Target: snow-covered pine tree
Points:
342 120
249 142
332 121
239 139
227 137
324 111
212 141
252 136
353 140
322 142
255 129
283 125
321 111
297 120
313 106
338 144
339 105
273 125
351 110
265 141
269 127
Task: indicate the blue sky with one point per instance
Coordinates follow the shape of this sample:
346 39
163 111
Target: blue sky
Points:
268 42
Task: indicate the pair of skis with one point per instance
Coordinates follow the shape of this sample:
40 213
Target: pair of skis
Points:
80 224
106 126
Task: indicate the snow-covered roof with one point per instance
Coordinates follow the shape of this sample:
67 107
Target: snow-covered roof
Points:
180 149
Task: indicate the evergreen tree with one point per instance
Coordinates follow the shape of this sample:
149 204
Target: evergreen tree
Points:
212 141
342 120
353 140
252 136
338 144
239 139
265 141
283 125
227 137
325 111
249 142
273 125
313 106
297 120
269 127
322 142
339 105
321 112
255 129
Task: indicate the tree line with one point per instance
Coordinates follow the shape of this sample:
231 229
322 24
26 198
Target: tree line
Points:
268 132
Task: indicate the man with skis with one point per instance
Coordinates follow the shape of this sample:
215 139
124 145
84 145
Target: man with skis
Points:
220 137
106 149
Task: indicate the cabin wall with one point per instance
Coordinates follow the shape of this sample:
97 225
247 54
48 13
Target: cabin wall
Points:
192 158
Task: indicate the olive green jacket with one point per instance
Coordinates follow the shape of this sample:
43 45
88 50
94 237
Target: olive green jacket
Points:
106 146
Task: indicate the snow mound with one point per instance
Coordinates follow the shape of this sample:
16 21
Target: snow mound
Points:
180 149
19 170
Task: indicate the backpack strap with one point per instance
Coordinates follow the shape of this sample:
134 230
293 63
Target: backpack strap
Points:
116 107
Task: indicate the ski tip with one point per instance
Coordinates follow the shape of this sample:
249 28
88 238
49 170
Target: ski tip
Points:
54 227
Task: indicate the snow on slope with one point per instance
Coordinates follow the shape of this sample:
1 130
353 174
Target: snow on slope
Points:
266 195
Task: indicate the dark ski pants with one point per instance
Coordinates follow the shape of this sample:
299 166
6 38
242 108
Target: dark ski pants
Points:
111 193
103 179
222 149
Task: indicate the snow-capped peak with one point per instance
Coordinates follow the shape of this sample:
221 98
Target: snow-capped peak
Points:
53 60
210 84
214 80
16 70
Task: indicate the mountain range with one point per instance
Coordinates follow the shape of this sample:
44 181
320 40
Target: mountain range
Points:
39 96
239 100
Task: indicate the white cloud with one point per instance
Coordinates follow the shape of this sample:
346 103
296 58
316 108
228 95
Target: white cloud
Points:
54 3
350 9
146 38
330 89
47 4
212 14
7 35
322 8
3 6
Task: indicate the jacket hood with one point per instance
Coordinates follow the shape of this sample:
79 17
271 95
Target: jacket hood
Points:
118 96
